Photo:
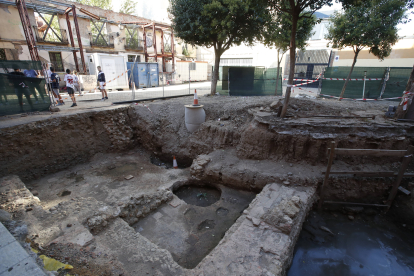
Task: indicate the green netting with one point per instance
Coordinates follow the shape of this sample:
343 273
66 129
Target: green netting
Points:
248 81
21 94
21 64
398 78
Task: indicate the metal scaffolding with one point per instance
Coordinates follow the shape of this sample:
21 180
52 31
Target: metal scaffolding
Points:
156 27
31 41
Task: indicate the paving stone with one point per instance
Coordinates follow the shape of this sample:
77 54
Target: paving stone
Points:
76 235
5 237
26 267
10 255
157 215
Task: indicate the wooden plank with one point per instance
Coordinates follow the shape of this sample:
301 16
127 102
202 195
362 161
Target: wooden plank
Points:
377 174
373 174
405 191
328 169
403 167
371 152
354 203
343 117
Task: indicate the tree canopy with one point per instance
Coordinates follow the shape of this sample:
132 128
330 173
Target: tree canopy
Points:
279 32
128 7
278 35
219 24
104 4
372 25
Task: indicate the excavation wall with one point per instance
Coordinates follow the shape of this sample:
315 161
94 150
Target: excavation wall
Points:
248 125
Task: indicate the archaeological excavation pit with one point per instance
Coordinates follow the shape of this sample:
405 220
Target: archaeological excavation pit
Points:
195 221
247 188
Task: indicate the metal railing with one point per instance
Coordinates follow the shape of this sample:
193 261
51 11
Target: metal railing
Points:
134 44
106 41
55 36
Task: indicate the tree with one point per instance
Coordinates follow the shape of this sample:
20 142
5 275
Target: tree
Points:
219 24
128 7
103 4
296 10
279 32
372 24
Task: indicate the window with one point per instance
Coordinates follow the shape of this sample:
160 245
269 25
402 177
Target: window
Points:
131 58
236 62
2 54
48 29
167 42
99 34
193 66
133 41
56 60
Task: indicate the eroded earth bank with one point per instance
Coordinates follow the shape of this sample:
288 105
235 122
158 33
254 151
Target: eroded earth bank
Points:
97 190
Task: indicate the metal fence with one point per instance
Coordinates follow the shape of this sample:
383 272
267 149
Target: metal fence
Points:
366 82
146 82
248 81
19 93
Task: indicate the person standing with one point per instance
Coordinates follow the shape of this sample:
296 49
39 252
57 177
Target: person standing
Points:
34 84
102 83
20 88
69 79
76 82
55 79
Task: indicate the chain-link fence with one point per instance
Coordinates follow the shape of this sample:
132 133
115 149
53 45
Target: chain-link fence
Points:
248 81
366 82
146 82
19 93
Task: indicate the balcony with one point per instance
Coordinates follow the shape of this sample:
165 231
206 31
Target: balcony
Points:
103 41
134 44
55 36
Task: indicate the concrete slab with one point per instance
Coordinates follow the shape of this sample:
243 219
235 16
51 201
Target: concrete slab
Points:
15 261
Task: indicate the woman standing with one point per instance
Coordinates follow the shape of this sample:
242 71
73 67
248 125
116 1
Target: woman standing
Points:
76 83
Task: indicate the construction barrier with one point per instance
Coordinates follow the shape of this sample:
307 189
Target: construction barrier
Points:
379 82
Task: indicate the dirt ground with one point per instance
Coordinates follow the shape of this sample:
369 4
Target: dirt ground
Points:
95 178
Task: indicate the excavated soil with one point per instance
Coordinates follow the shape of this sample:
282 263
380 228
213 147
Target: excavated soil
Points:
108 175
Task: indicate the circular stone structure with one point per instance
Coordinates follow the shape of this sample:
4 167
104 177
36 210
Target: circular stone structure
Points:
198 195
194 117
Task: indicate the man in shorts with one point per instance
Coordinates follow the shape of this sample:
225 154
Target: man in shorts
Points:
20 87
34 84
102 83
54 78
69 79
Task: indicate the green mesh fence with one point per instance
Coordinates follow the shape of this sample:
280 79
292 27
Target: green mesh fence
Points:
20 64
398 79
21 94
248 81
394 87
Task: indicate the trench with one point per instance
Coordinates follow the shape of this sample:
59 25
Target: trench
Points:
191 230
370 244
188 213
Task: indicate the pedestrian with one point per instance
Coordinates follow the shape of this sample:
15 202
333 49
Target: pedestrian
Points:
76 83
55 79
102 83
20 88
34 84
48 79
69 79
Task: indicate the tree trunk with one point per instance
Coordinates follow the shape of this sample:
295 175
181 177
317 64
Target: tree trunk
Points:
349 75
217 55
295 17
277 74
400 113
